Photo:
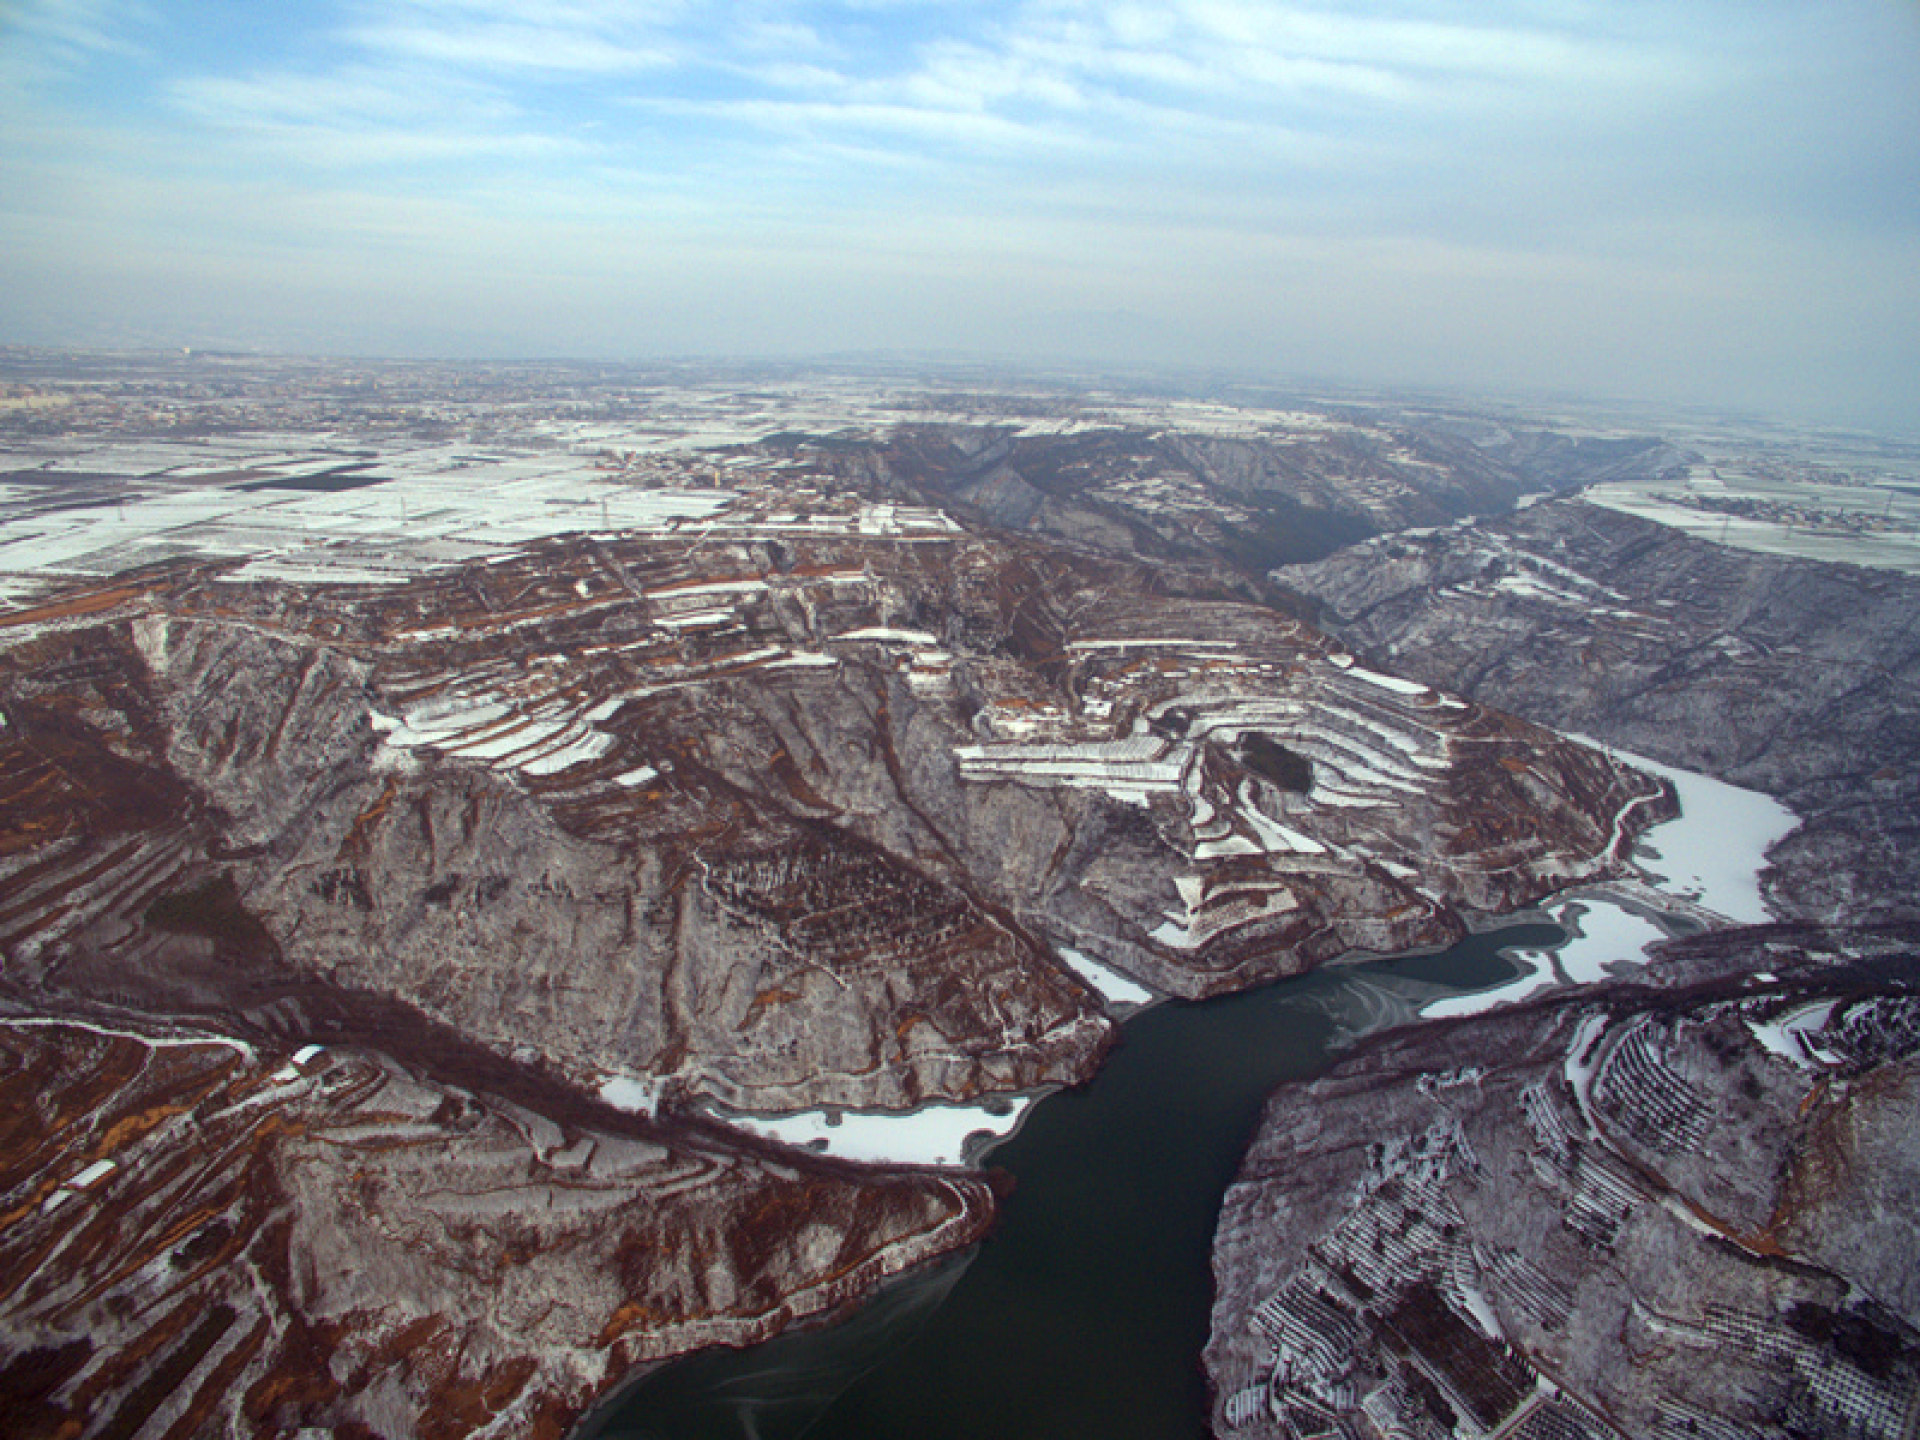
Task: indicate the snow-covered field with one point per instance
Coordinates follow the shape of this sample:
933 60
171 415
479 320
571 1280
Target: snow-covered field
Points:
628 1092
540 740
1372 740
415 508
1603 932
1663 501
1793 1036
439 502
931 1135
419 519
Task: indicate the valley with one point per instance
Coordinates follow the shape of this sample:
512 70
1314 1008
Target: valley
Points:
448 828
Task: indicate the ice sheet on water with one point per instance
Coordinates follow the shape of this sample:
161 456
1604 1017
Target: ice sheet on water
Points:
1112 985
1714 852
1712 855
1604 933
932 1135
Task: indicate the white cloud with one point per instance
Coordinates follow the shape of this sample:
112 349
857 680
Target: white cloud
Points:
956 125
70 30
44 43
358 94
498 47
369 117
1402 185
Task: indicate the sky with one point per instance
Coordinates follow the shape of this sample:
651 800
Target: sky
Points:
1703 201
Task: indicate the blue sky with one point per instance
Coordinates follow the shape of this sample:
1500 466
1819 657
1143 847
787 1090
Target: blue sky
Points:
1678 200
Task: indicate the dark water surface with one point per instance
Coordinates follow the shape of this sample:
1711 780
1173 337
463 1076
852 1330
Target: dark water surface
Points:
1085 1312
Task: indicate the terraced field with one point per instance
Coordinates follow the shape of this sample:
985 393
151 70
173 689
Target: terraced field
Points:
770 796
204 1237
1645 1216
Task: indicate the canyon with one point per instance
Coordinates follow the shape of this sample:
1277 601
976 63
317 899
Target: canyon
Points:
428 828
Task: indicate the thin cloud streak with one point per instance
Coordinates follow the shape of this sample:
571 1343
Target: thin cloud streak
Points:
71 30
501 47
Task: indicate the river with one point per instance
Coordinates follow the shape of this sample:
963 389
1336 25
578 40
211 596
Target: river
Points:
1086 1311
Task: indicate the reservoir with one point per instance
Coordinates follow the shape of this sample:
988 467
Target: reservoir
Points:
1086 1311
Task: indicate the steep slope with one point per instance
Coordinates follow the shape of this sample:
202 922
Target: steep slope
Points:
204 1238
1790 676
770 823
761 791
1291 489
1644 1214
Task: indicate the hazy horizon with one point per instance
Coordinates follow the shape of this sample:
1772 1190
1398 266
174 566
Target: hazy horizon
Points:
1690 203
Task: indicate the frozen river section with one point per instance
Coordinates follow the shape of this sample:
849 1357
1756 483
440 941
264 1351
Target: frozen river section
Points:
1708 858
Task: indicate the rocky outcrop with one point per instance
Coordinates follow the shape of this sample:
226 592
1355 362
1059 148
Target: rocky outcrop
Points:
525 911
1795 677
800 829
1623 1214
805 791
775 824
814 804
